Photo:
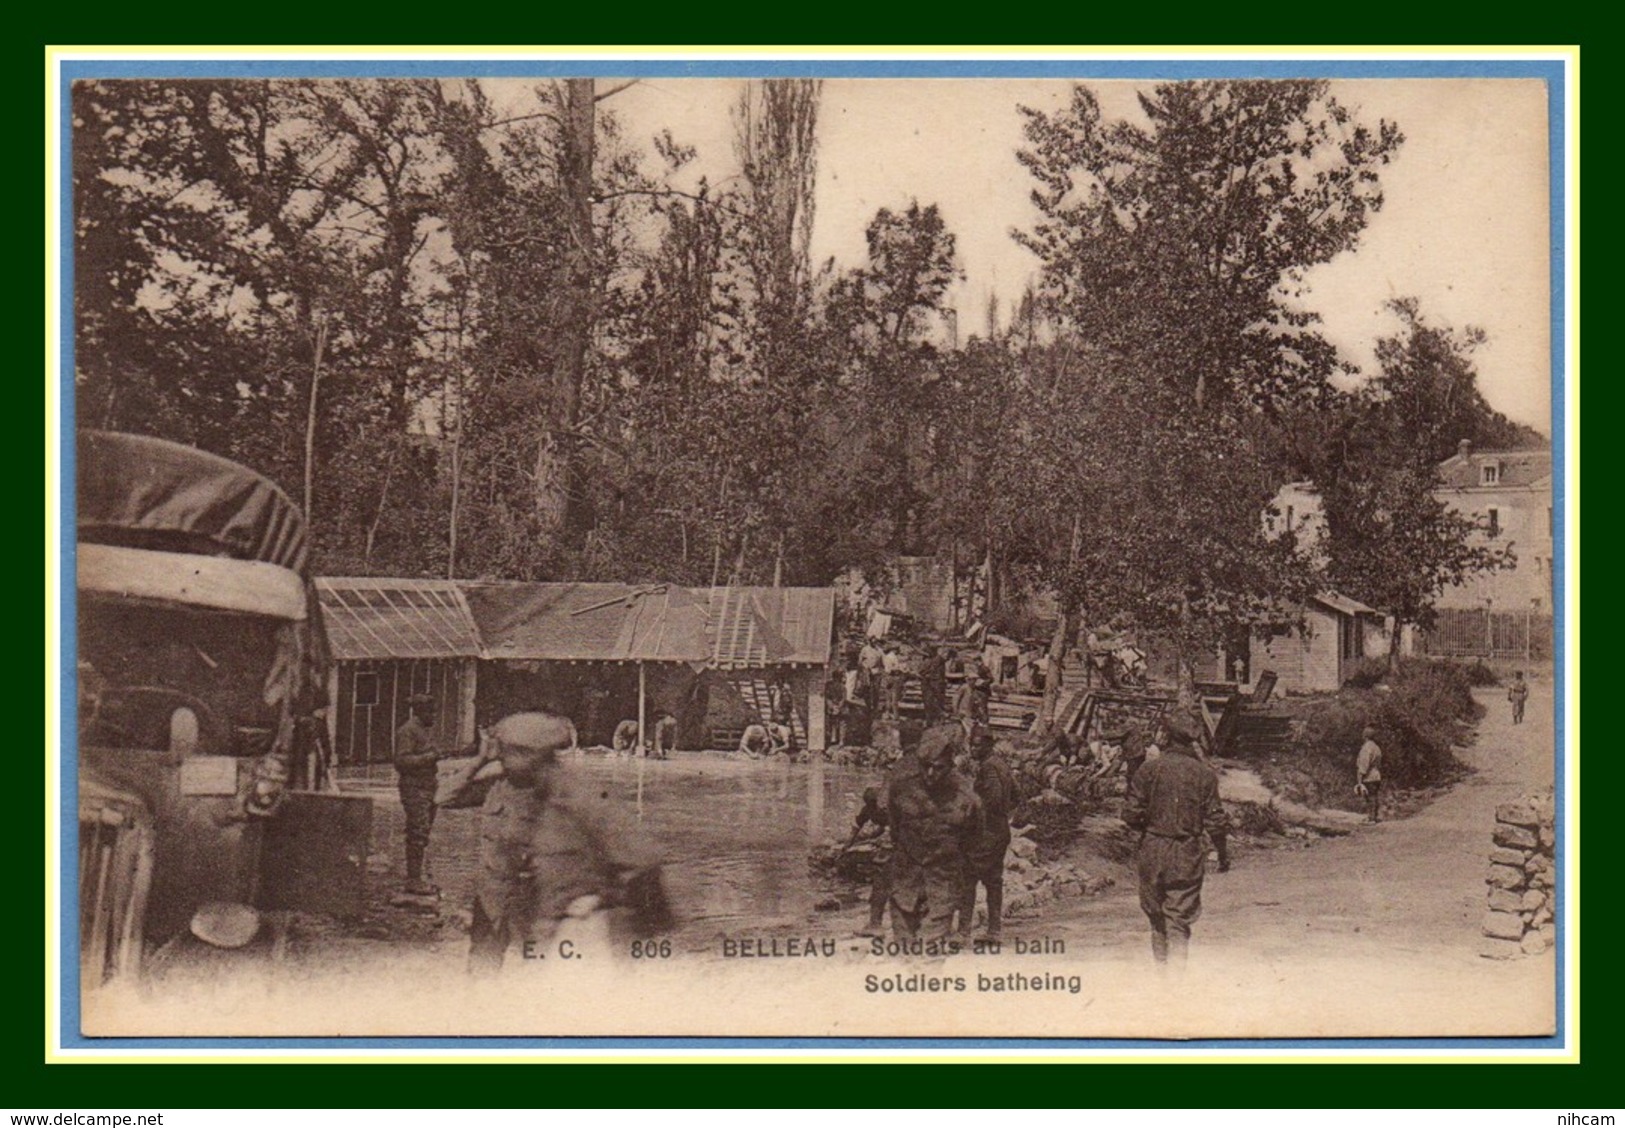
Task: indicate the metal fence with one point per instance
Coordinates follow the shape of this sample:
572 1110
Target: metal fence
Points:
1475 633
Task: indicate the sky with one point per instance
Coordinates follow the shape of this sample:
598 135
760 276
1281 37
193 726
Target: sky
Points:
1464 228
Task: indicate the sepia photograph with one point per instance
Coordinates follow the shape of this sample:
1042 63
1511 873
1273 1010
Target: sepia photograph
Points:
1060 555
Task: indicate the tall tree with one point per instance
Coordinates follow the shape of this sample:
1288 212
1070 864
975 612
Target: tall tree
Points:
1390 539
884 312
1428 392
1183 243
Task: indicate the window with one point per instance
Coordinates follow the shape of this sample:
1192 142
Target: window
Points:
366 688
1349 637
1491 473
1495 521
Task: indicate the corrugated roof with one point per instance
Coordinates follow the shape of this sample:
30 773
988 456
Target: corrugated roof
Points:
379 618
370 619
589 622
756 626
1516 468
1344 604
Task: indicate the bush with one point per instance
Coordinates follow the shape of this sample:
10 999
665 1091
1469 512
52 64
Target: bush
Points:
1422 712
1367 673
1479 675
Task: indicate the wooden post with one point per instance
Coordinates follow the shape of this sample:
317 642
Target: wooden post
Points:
469 684
333 711
642 698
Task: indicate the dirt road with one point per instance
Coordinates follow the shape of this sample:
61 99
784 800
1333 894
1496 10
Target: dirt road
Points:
1375 933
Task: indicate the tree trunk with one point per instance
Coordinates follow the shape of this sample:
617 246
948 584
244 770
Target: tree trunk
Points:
572 332
311 414
1064 629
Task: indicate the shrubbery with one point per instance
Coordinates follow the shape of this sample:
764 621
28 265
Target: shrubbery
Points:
1368 672
1420 713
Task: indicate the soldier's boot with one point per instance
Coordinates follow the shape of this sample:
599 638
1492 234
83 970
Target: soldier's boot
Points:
1159 948
415 882
995 911
1179 947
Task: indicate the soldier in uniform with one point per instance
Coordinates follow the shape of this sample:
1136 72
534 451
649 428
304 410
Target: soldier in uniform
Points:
871 823
417 754
552 860
1172 802
936 824
995 787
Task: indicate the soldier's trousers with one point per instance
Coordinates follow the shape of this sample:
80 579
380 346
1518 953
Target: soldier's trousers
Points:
1171 872
417 800
986 870
924 904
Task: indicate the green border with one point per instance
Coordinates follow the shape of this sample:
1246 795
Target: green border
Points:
30 1083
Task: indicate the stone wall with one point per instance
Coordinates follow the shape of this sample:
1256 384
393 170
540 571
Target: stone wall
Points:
1522 879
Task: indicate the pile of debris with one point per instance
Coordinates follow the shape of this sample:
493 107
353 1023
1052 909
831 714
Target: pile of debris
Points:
1030 883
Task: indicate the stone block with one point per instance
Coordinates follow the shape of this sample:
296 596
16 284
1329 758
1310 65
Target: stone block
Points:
1492 949
1506 877
1548 838
1503 926
1543 916
1546 808
1533 900
1520 813
1522 837
1537 863
1533 943
1548 932
1506 856
1505 901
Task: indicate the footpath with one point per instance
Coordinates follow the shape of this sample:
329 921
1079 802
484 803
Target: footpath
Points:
1375 933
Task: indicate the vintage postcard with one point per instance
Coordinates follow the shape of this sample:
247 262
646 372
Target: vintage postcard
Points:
1026 554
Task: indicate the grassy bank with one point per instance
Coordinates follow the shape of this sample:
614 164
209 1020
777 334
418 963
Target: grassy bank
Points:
1421 712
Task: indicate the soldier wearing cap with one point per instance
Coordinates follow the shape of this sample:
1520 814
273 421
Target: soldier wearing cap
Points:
1172 802
936 824
995 787
417 752
554 861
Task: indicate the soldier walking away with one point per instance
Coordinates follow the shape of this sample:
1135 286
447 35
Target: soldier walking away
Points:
872 824
1172 802
995 787
936 822
1518 694
417 754
555 863
1368 773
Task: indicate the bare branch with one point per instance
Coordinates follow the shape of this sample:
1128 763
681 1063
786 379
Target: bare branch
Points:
610 93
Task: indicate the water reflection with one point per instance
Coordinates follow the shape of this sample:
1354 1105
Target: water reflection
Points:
735 835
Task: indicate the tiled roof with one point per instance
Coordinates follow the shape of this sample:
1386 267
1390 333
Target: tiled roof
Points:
1515 468
376 619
